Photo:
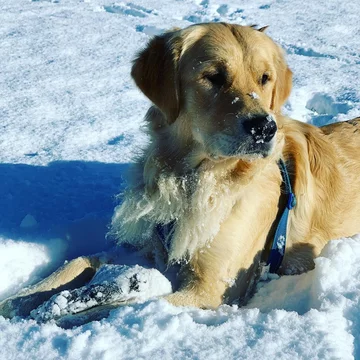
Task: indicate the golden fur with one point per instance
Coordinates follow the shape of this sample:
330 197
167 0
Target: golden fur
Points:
224 202
216 175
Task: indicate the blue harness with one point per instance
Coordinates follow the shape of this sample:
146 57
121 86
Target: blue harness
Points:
277 251
278 246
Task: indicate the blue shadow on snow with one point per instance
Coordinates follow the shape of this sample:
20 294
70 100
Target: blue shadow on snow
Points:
72 200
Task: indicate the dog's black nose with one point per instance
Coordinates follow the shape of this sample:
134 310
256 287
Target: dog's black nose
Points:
261 128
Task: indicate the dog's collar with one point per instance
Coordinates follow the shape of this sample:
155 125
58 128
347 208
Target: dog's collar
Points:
277 251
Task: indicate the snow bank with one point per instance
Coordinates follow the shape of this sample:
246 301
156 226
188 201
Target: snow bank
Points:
23 263
310 316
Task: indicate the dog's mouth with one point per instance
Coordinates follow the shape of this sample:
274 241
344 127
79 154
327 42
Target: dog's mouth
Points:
256 139
250 152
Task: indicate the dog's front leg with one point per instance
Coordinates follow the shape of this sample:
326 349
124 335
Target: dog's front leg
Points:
219 274
209 286
227 269
71 275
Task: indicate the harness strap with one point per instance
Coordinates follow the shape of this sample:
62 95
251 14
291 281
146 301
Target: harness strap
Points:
277 250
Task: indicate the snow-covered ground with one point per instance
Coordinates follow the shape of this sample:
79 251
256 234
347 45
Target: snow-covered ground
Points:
70 120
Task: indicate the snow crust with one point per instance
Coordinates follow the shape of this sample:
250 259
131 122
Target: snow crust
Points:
70 125
114 284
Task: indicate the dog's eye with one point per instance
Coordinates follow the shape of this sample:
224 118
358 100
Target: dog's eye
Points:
217 79
264 79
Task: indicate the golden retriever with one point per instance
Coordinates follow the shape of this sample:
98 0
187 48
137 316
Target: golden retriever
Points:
210 169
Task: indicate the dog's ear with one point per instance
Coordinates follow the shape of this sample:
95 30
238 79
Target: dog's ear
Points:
155 72
283 85
263 29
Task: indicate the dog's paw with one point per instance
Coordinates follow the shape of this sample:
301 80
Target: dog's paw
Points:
112 285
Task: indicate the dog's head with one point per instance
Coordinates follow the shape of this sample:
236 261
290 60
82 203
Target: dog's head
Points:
224 83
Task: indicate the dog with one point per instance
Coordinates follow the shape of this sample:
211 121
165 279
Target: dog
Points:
210 172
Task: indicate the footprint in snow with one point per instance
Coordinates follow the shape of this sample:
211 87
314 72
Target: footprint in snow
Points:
149 30
204 3
303 51
325 108
223 10
193 18
129 9
51 1
121 139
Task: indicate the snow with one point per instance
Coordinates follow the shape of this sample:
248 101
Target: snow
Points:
70 125
18 261
111 284
254 95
